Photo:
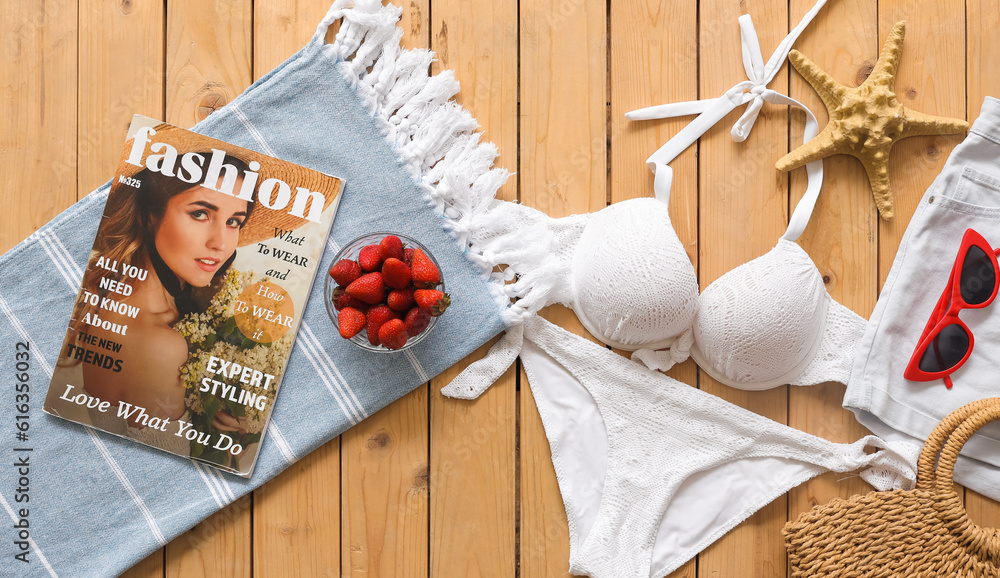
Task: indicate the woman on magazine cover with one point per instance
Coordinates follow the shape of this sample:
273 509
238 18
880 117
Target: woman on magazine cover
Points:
184 238
159 294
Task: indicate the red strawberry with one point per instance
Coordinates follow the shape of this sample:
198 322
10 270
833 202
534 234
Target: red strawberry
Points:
417 320
370 257
425 273
368 288
341 299
345 272
377 316
393 334
433 300
392 247
400 299
395 273
350 321
408 255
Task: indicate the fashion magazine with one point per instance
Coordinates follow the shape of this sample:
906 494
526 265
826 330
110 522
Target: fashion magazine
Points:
192 295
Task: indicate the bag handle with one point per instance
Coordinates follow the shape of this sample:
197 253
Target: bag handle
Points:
927 472
986 543
949 455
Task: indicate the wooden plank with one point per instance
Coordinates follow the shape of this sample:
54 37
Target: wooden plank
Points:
280 28
208 56
654 61
563 110
38 112
563 160
384 491
208 64
743 210
841 237
983 52
931 79
983 511
296 527
543 529
122 51
478 41
150 567
983 55
385 458
217 546
472 444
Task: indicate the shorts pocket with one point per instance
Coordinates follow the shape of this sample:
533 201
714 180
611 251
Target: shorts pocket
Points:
977 188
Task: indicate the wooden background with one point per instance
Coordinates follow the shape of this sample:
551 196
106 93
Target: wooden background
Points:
437 487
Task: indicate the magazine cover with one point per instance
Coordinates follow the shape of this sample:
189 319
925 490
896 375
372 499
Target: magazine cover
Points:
192 296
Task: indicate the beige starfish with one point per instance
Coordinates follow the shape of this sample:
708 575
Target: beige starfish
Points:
866 121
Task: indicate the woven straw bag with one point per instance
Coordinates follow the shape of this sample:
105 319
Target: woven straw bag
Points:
920 533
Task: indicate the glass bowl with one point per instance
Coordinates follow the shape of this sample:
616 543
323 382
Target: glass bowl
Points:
351 251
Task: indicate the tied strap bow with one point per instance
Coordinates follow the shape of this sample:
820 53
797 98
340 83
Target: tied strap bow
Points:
752 92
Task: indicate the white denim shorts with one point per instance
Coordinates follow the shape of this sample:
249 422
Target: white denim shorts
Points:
965 195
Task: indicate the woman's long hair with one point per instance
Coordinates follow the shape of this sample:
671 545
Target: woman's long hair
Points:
126 236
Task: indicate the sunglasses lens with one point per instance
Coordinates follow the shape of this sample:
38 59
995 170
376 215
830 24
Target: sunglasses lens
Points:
946 350
978 276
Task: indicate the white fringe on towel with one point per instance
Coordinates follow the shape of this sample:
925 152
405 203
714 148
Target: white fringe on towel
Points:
435 138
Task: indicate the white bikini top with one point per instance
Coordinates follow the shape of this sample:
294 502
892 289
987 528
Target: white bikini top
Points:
625 273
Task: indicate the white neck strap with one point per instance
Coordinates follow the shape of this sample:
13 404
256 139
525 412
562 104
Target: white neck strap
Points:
753 91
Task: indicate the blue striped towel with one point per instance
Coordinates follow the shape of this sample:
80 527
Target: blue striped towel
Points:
360 108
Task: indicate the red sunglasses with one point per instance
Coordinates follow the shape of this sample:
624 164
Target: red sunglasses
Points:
946 342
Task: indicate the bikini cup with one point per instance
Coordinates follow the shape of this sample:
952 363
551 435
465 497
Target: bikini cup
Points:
761 323
633 283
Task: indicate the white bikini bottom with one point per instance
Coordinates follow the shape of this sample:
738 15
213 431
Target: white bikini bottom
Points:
652 471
